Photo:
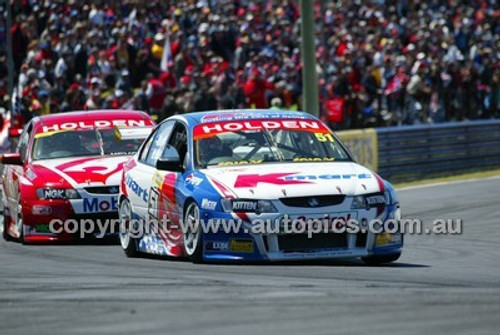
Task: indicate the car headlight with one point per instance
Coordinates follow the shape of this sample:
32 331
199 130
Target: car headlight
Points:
359 202
248 206
369 201
387 197
57 193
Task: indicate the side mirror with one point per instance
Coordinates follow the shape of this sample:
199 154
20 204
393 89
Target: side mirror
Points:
170 160
12 159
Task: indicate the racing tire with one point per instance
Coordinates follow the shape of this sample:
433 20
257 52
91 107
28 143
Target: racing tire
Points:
381 259
20 224
193 240
128 242
6 236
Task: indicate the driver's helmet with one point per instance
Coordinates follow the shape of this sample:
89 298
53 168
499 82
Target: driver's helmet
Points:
109 140
69 140
210 148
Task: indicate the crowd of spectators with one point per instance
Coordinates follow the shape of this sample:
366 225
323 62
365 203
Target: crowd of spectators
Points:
380 62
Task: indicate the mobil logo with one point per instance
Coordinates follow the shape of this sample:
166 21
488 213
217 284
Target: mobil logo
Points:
92 205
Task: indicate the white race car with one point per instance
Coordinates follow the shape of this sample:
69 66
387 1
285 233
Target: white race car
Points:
254 185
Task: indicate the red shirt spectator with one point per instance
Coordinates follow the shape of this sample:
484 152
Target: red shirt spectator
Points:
168 80
255 89
156 93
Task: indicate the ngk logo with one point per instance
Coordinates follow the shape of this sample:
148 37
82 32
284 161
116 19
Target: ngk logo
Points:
54 194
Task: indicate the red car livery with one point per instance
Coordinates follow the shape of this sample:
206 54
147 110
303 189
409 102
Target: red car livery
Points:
66 166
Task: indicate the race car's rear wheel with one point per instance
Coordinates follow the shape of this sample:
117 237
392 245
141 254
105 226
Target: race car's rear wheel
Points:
381 259
193 234
127 241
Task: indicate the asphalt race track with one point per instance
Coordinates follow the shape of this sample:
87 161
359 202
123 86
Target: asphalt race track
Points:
441 284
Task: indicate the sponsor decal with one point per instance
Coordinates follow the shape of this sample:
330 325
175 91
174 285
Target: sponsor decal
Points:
138 190
224 117
232 116
216 246
153 244
86 170
93 124
30 175
153 201
162 201
256 161
318 159
324 137
252 180
375 200
191 179
50 193
93 205
208 204
42 228
384 239
245 206
241 245
329 176
210 129
41 210
157 180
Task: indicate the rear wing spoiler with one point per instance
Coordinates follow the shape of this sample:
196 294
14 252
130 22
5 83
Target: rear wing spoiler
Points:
137 133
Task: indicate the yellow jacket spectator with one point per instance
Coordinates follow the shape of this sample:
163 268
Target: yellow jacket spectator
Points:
157 48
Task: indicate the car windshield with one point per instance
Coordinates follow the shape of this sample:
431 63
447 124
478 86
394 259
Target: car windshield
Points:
267 145
78 143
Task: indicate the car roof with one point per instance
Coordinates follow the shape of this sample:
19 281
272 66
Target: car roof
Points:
244 114
106 114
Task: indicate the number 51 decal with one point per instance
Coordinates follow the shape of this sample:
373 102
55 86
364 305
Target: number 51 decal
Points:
324 137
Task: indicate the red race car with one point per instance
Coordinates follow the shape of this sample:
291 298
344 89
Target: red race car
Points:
68 167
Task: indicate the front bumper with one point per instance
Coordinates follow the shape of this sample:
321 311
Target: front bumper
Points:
247 245
57 221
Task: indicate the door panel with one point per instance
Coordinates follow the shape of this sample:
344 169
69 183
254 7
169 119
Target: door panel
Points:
140 178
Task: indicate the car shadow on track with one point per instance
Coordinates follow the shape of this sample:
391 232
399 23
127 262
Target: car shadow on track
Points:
107 241
335 262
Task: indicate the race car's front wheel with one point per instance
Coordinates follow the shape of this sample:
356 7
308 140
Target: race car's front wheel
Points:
20 223
127 241
381 259
193 235
5 234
